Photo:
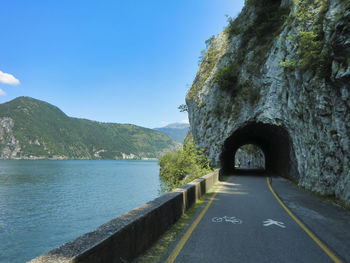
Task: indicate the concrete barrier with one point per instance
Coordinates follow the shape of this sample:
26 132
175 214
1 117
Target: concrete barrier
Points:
126 237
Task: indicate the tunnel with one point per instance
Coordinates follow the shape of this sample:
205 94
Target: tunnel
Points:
273 140
250 156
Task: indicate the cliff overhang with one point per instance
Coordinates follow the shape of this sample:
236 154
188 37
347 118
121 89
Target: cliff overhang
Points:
278 77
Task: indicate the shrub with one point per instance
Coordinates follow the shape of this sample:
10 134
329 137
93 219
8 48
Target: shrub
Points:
308 49
209 41
227 78
232 28
180 167
309 41
257 36
207 61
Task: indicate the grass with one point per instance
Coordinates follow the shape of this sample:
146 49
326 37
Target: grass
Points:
155 253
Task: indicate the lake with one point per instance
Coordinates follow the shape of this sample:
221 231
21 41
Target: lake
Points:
45 203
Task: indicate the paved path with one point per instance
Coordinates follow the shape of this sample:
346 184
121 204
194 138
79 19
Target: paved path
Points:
246 223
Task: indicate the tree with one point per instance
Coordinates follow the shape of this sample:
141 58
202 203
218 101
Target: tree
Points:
183 108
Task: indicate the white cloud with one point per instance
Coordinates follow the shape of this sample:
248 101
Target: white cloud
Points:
185 121
164 123
2 93
8 79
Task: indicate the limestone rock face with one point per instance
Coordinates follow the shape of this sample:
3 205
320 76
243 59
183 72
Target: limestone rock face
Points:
10 146
288 73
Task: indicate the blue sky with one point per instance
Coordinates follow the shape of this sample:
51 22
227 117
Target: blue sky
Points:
111 61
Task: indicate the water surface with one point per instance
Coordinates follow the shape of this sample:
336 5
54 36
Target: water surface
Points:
44 203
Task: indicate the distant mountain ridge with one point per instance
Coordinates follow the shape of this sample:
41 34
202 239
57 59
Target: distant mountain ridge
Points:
177 131
31 129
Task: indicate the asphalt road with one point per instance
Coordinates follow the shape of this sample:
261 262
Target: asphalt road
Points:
246 223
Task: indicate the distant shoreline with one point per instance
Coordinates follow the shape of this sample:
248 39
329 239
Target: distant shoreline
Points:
76 159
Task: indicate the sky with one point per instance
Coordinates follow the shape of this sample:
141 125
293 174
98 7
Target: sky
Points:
108 60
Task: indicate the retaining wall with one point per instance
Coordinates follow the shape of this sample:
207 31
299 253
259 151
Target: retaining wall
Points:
126 237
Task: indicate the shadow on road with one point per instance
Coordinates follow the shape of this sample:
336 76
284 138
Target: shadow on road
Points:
247 171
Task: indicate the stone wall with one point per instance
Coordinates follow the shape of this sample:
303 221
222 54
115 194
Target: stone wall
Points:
124 238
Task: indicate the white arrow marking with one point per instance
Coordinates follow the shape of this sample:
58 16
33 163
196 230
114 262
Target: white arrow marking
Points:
270 222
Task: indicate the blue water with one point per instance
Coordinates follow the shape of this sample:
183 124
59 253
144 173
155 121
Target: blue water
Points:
44 204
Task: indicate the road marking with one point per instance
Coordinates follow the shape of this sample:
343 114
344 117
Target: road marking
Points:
228 219
312 235
188 233
270 222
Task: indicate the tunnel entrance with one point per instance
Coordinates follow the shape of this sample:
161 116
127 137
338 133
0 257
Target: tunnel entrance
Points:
250 156
275 143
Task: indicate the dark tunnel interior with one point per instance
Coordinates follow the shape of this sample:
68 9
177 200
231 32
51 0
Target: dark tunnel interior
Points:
273 140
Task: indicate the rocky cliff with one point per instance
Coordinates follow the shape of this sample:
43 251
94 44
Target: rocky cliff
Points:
9 146
278 77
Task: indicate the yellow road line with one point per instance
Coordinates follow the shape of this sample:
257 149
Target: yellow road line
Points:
188 233
313 237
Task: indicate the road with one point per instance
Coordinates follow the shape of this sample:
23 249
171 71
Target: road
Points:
246 223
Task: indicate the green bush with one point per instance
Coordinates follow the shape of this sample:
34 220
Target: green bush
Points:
232 28
207 61
308 53
257 36
180 167
309 41
308 49
227 78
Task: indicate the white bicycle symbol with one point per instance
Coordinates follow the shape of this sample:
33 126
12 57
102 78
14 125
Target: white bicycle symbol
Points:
228 219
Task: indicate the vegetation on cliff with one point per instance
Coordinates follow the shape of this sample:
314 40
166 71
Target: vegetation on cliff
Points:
208 59
286 65
256 38
309 39
42 130
240 53
184 165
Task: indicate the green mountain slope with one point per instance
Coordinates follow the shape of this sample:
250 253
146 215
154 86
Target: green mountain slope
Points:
31 128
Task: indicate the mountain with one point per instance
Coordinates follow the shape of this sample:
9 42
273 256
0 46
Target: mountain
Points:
31 128
176 131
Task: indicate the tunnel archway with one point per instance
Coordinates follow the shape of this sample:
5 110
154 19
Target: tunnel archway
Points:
273 140
250 156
